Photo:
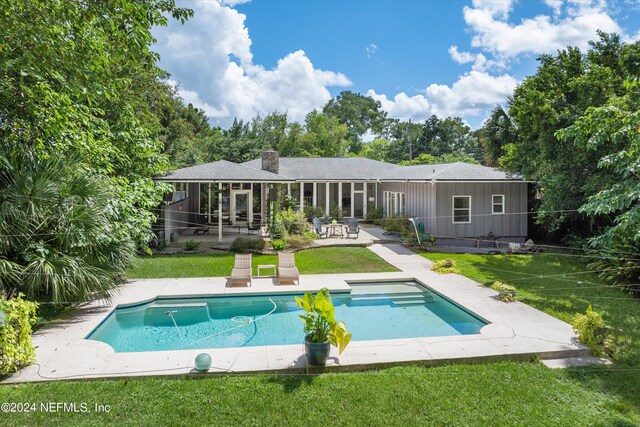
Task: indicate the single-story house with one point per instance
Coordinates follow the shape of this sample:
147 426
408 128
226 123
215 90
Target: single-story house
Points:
456 202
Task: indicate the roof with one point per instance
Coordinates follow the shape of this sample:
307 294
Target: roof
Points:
458 171
330 168
337 169
222 170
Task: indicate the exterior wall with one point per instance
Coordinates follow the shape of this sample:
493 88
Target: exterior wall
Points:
511 224
419 200
179 216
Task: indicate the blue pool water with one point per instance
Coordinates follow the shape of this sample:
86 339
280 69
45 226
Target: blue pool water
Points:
373 311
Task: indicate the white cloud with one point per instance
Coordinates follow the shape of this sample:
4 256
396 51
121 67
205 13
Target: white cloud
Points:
211 58
541 34
499 8
232 2
371 49
402 106
473 94
460 57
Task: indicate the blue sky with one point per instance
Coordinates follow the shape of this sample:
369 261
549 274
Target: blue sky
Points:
236 58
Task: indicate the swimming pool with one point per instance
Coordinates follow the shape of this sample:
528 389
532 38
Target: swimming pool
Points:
372 311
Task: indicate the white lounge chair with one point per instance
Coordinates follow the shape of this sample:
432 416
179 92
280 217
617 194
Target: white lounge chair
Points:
287 270
241 273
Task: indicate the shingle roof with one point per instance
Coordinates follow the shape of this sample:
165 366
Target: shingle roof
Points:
222 170
330 168
458 171
337 169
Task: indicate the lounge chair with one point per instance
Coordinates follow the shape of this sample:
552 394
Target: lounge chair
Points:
241 273
353 227
287 270
317 228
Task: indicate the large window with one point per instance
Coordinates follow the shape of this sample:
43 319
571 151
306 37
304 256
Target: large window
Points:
393 203
461 209
497 204
181 192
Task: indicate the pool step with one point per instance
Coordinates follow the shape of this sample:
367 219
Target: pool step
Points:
399 299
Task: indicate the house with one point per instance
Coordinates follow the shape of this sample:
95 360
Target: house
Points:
456 202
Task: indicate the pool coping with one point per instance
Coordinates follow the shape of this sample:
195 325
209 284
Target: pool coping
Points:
517 332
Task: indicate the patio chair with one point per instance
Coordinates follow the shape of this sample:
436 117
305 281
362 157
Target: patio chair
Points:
255 224
353 227
241 273
317 228
287 270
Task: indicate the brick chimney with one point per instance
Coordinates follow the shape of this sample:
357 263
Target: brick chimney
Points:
271 161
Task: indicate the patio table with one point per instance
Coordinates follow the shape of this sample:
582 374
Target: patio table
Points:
336 230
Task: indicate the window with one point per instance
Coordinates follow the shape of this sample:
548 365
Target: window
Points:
461 209
497 204
181 191
393 203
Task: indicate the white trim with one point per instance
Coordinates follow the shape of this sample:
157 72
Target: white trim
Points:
340 196
502 203
326 198
314 201
453 209
232 206
353 204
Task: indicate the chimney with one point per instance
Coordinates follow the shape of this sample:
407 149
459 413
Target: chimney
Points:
271 161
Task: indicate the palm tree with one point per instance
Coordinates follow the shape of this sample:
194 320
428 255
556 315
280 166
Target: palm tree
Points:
498 131
57 233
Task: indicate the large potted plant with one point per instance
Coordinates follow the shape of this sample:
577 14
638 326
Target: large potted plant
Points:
320 327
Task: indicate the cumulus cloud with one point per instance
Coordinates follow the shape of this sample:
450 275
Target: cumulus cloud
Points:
460 57
211 58
540 34
471 95
403 106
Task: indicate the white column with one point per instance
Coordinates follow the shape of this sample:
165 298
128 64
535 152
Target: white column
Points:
209 206
315 194
250 204
263 196
353 199
340 196
288 188
220 212
301 192
326 199
365 199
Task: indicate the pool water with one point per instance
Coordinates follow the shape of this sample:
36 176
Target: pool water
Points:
373 311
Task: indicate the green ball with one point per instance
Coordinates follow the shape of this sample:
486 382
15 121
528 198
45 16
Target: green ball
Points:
203 362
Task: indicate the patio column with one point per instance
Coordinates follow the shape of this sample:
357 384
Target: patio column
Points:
288 189
340 196
353 199
326 199
315 194
209 206
219 212
263 195
365 199
301 191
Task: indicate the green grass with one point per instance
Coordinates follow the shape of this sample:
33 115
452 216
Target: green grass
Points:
310 261
505 393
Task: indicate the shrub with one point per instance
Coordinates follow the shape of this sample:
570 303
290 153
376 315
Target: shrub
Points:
506 293
278 244
445 266
277 229
191 245
245 244
313 212
294 222
398 224
16 349
335 212
374 214
590 329
298 241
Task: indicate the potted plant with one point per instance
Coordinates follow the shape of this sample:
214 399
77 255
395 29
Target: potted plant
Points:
320 327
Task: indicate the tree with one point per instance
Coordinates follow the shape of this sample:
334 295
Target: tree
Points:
325 136
498 131
376 149
563 88
59 236
359 113
79 79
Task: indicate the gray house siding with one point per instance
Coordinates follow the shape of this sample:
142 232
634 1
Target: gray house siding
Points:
512 225
419 200
179 216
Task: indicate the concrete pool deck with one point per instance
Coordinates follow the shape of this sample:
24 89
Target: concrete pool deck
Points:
516 331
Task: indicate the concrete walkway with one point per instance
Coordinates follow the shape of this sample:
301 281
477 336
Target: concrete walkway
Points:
401 258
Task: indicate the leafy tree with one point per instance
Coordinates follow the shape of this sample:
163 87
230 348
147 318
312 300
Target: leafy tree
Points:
498 131
359 113
428 159
376 149
562 89
325 136
59 234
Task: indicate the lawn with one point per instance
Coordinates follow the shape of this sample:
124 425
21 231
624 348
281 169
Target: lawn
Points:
310 261
505 393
